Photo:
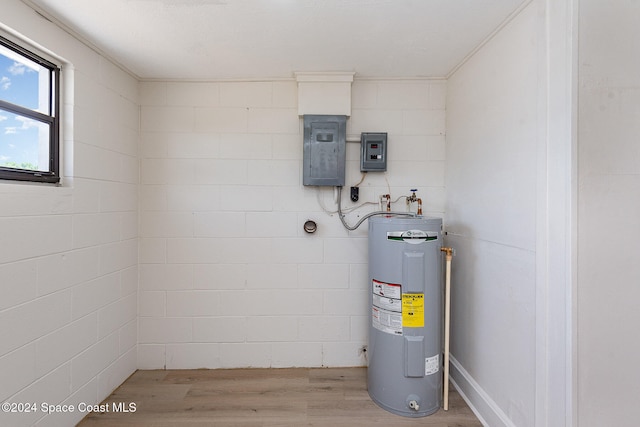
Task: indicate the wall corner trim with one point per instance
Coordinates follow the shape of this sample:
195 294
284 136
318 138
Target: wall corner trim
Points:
487 411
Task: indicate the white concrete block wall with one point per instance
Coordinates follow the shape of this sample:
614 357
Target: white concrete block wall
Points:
68 259
228 277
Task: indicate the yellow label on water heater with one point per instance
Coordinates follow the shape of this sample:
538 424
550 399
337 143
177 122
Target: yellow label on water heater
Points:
413 310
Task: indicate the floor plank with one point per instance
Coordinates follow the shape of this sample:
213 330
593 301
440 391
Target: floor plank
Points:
320 397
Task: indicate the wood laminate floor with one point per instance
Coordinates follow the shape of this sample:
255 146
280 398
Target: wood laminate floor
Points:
335 397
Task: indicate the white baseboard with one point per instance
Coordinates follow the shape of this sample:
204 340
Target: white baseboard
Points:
487 411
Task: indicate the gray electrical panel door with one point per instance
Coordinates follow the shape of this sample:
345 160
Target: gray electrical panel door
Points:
324 150
374 152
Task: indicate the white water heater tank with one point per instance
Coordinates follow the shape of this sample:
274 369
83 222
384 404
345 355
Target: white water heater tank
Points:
406 327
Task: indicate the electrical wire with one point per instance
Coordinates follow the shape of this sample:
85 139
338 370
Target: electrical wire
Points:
347 210
369 215
320 200
364 174
387 181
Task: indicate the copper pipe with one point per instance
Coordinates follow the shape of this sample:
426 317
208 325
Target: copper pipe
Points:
419 206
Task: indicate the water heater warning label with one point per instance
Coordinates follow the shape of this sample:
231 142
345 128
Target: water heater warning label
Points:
386 310
389 290
413 310
386 321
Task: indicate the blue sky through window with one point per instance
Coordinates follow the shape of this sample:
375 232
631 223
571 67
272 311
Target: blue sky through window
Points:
19 136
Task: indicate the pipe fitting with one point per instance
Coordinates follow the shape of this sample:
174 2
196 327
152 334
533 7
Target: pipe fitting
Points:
310 226
413 402
414 198
448 252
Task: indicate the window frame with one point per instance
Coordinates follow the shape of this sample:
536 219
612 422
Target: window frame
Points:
52 175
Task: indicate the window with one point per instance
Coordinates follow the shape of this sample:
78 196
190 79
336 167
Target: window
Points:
29 115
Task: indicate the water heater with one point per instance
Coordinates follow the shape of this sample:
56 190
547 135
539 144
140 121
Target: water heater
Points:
406 299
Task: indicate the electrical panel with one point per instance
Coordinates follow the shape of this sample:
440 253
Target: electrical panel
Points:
374 152
324 154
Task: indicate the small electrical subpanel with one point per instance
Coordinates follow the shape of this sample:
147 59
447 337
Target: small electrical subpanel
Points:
373 157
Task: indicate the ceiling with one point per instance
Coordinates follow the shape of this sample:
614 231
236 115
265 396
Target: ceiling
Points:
253 39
